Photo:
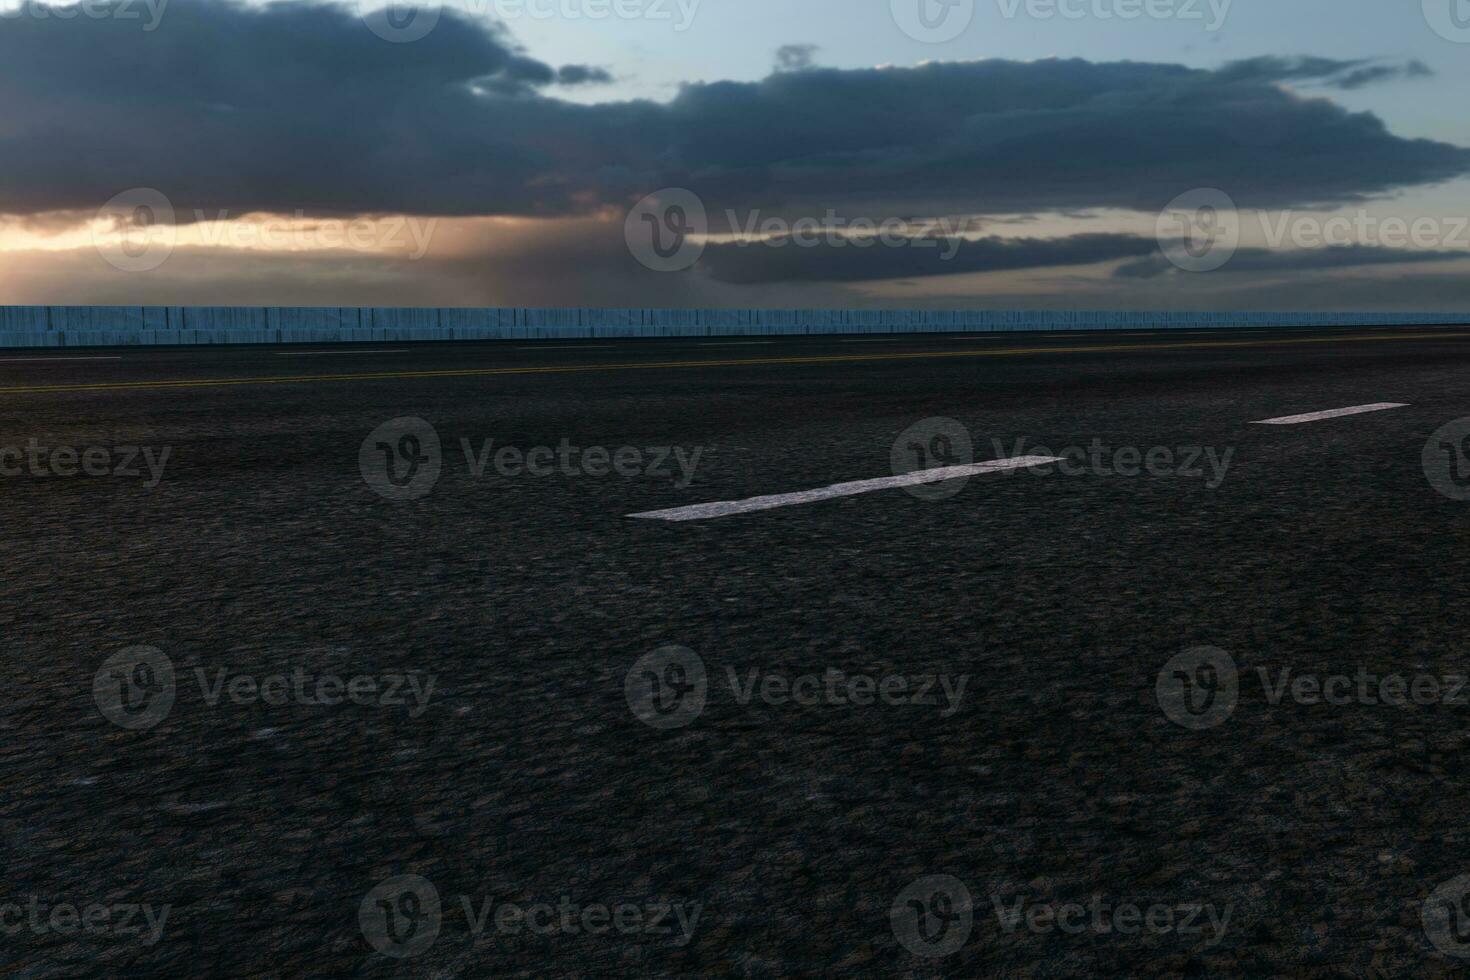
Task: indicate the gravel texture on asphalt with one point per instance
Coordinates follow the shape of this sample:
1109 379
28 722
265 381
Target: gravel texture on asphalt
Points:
768 836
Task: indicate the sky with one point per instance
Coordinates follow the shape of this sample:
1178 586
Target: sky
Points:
1056 154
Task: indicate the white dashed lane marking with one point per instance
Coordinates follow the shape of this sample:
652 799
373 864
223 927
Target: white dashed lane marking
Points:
1334 413
703 512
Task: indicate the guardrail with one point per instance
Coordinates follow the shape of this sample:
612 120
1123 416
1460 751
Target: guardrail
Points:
95 326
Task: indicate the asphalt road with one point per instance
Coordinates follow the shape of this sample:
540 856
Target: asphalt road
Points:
290 691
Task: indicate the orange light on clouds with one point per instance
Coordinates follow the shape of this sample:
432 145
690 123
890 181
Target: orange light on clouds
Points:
408 236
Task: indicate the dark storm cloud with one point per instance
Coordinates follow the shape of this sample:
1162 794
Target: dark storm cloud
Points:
1346 75
795 57
300 106
842 260
583 75
1373 74
1043 135
851 260
1296 260
292 105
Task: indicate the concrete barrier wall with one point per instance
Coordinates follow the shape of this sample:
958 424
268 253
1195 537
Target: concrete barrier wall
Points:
92 326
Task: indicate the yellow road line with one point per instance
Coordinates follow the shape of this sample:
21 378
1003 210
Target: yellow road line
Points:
728 362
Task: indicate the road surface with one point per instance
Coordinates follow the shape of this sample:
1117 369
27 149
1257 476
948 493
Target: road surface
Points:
478 659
